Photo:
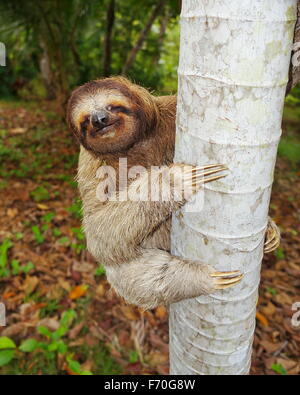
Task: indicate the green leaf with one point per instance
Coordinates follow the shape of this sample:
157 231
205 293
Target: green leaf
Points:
53 346
6 342
15 267
4 247
29 345
26 268
278 368
62 347
74 366
6 356
42 330
48 217
133 356
67 317
279 253
100 270
39 238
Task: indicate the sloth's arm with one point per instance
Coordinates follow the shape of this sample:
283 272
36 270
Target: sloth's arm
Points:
115 228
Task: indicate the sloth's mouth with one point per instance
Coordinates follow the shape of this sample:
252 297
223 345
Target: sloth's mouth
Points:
104 129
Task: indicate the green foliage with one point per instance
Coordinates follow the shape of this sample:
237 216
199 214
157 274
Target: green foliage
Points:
7 350
278 368
100 271
70 34
38 236
4 247
40 193
279 253
133 356
76 209
290 148
51 345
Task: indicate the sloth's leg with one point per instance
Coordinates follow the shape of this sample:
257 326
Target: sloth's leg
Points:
157 277
272 237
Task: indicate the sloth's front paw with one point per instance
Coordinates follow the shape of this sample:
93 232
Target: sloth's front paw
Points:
224 280
272 237
188 178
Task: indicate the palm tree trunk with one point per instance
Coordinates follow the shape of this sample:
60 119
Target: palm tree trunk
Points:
233 71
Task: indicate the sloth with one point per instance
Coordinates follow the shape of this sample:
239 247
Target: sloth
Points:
113 118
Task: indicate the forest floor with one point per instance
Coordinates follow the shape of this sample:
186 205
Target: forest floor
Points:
55 294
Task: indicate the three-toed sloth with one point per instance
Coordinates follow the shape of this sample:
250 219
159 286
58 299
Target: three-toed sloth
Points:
113 118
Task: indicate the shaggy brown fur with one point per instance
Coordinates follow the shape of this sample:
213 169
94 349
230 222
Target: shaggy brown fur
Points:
131 238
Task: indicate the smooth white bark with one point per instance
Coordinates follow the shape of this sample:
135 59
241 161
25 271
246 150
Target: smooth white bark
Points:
233 70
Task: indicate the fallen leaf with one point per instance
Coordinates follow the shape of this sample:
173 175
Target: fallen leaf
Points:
78 292
42 206
161 312
30 284
271 347
18 130
130 313
261 318
269 309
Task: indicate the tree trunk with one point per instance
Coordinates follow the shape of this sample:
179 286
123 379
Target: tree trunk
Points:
160 40
46 72
142 36
110 18
294 73
233 71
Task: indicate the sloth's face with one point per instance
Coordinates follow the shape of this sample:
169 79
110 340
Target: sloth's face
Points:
105 119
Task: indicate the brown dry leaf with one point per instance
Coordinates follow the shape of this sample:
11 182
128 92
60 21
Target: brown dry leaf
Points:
83 267
287 363
50 323
283 298
157 358
161 312
74 332
269 310
269 346
14 329
12 212
100 290
18 130
30 284
130 313
42 206
64 284
78 291
261 318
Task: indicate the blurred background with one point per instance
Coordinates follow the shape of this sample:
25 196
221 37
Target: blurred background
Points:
61 316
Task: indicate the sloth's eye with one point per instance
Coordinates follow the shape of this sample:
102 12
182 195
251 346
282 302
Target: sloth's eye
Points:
117 109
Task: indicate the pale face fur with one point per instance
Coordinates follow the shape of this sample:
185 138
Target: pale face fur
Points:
122 119
122 108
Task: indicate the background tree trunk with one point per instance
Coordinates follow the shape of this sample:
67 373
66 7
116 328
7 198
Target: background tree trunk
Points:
110 18
233 71
132 54
294 73
46 72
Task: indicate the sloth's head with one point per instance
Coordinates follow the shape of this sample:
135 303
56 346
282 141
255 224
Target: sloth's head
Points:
111 115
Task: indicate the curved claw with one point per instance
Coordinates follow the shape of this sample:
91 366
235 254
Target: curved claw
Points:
198 173
226 279
272 237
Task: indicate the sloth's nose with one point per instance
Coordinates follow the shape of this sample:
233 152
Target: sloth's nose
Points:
100 119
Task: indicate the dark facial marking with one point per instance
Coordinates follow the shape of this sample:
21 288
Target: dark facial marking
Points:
121 109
